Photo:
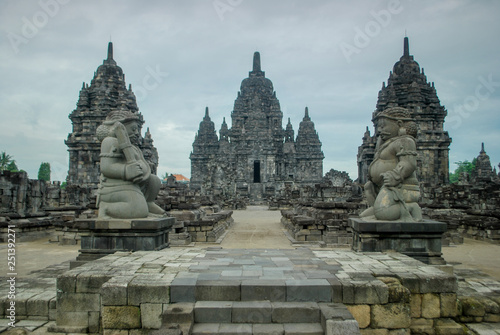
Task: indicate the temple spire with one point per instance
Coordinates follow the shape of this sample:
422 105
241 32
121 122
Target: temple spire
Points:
207 117
110 51
482 148
306 116
256 62
406 51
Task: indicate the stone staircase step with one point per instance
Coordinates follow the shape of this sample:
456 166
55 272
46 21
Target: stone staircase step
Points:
256 312
258 328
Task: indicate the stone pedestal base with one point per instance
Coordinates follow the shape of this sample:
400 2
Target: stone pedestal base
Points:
420 240
104 237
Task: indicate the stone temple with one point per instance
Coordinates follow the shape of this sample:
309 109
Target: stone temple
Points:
256 157
107 92
407 87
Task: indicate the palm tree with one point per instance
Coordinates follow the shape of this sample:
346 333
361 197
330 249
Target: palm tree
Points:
5 160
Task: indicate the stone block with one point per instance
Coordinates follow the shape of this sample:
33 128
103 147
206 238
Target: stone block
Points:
78 302
448 305
416 305
318 290
438 283
400 332
212 311
285 312
90 283
472 307
271 290
114 293
303 328
231 328
347 292
448 327
422 326
148 290
431 306
337 295
115 332
251 312
369 331
39 304
66 283
493 318
182 312
341 327
366 293
391 316
151 315
266 329
361 313
211 290
73 319
94 322
183 290
121 317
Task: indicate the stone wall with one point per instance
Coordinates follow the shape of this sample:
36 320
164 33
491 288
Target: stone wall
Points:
470 210
321 221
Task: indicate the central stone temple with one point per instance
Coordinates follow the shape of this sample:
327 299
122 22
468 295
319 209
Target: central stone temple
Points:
256 157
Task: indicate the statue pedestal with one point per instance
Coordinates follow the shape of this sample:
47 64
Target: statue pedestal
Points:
101 237
420 240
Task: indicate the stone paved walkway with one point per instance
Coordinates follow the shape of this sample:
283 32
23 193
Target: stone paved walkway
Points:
255 228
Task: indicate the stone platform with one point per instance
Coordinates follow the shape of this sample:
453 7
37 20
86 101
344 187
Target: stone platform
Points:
101 237
420 240
131 291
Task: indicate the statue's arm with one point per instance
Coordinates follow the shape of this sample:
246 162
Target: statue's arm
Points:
406 154
112 165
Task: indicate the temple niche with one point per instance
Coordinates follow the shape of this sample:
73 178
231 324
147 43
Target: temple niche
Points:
256 156
407 87
107 92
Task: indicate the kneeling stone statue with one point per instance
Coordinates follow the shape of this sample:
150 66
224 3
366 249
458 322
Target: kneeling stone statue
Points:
392 191
127 188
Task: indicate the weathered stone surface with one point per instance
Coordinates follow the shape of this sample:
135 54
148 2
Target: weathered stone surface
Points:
472 307
285 312
361 313
448 327
431 306
151 315
391 316
121 317
449 305
422 326
251 312
416 305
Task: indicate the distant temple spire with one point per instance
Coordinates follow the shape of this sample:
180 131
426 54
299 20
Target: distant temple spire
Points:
482 148
306 116
406 51
110 51
206 113
256 62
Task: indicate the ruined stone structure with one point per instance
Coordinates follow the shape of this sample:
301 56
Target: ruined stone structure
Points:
256 156
407 87
107 92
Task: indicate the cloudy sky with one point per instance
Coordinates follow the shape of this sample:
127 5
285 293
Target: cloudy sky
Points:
181 56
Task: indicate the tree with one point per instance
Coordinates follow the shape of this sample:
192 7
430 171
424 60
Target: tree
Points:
5 160
463 166
12 166
44 171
